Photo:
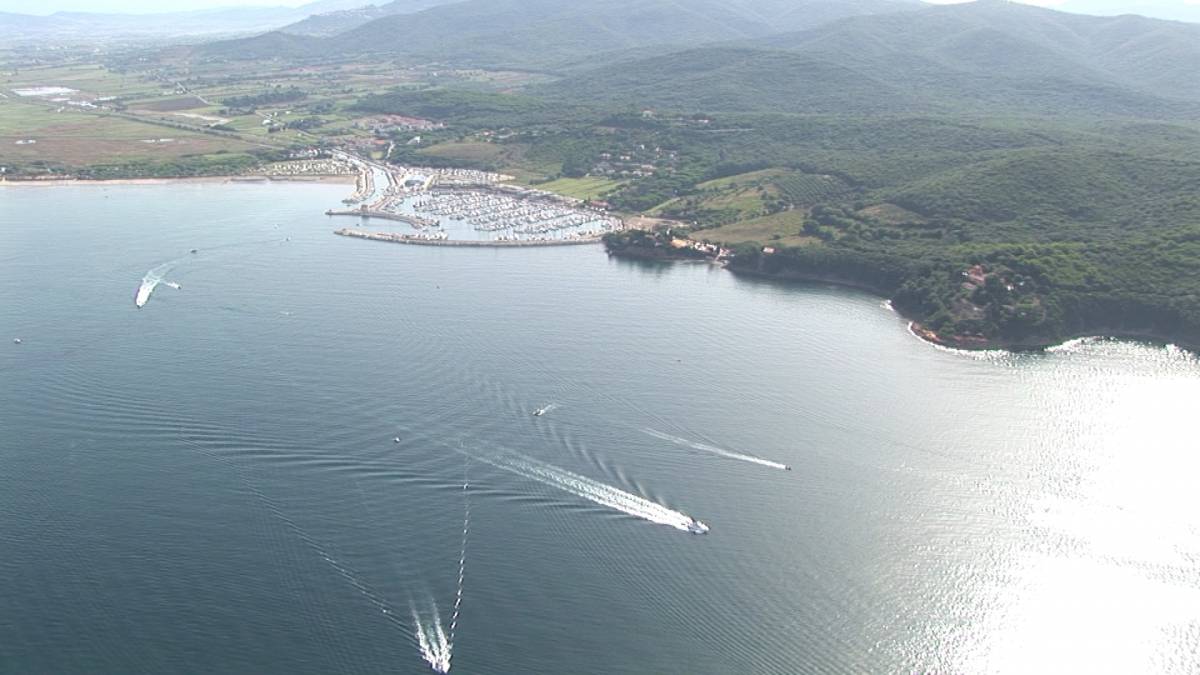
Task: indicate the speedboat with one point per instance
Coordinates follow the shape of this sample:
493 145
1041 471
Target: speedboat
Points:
539 412
16 341
396 439
142 295
697 527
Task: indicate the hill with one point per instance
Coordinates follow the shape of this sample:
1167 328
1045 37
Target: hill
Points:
547 33
94 26
978 58
1160 57
334 22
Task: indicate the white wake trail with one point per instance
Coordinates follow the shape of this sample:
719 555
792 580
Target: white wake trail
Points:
437 648
151 280
594 491
717 451
462 556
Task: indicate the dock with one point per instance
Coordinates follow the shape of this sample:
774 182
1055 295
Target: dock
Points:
364 212
396 238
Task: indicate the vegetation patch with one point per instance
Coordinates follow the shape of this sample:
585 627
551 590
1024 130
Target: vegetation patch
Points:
591 187
169 104
778 229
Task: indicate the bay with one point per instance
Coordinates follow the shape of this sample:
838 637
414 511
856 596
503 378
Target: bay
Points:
212 483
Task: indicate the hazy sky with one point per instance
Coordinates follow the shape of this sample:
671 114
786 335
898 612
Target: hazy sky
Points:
142 6
1180 9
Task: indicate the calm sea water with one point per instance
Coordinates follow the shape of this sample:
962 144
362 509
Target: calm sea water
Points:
211 483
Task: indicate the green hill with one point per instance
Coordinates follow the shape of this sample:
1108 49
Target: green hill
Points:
550 33
982 58
332 23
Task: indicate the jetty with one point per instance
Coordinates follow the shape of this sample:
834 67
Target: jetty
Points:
424 240
364 212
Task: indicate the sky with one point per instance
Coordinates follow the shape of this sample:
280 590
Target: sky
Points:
141 6
1172 9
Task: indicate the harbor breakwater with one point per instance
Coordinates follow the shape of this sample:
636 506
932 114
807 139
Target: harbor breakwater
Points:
396 238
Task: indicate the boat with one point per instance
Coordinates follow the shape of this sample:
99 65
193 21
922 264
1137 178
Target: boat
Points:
396 439
142 296
16 341
195 251
539 412
697 527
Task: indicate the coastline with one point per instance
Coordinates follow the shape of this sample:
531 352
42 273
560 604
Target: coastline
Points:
393 238
251 178
964 343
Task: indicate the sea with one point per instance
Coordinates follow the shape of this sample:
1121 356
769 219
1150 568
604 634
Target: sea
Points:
313 454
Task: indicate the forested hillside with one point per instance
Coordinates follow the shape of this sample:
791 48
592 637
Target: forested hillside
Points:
547 34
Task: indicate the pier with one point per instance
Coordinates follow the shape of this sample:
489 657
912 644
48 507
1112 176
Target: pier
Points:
396 238
364 212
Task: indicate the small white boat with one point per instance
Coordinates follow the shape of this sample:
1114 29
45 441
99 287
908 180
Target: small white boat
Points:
16 341
396 439
539 412
697 527
142 296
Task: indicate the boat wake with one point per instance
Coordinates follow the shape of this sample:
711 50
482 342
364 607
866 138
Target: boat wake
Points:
156 275
717 451
597 492
437 644
153 278
341 569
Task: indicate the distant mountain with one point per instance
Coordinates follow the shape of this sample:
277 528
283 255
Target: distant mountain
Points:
331 23
96 26
984 57
1159 9
547 33
996 36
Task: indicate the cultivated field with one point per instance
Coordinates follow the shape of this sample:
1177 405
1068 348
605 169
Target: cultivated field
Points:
75 139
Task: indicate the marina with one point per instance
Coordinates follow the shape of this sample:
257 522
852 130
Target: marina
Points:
465 207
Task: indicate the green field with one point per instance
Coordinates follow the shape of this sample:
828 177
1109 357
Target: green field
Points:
775 229
76 139
589 187
743 179
90 79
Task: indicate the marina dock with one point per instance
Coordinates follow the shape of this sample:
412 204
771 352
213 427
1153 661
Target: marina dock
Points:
396 238
415 221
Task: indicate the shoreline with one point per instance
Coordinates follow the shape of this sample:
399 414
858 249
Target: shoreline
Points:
967 343
326 179
394 238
